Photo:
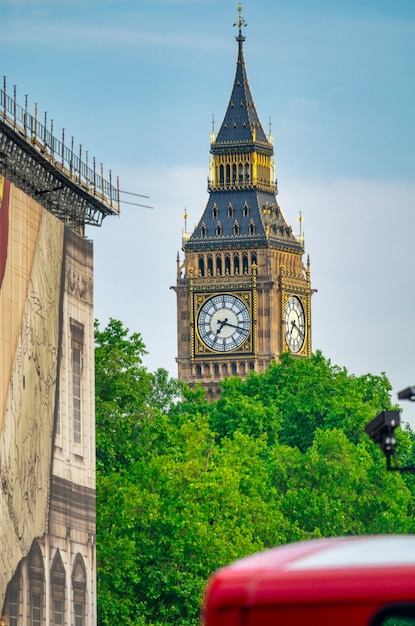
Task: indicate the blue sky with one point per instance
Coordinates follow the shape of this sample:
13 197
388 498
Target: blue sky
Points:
136 83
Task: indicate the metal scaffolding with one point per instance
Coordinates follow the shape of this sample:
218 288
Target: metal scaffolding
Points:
49 171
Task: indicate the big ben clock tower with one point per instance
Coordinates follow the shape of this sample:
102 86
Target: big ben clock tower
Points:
243 292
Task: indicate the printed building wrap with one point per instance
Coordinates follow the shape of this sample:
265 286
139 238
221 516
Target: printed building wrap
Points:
47 406
47 442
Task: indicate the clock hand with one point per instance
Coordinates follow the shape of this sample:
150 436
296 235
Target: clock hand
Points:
294 325
222 324
234 326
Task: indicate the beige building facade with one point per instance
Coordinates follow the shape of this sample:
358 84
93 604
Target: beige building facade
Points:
47 396
47 445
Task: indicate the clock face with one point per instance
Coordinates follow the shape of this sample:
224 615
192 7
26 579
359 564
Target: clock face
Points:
294 324
223 323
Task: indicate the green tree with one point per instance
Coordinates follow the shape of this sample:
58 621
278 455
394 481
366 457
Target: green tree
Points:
185 486
122 389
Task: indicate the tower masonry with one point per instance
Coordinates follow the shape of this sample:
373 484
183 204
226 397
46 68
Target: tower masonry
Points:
243 289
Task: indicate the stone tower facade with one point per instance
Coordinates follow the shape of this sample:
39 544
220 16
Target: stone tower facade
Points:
243 290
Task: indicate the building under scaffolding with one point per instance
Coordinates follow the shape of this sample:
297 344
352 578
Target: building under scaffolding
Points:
47 405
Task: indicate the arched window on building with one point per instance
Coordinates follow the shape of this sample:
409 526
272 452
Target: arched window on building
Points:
234 369
245 263
230 210
58 580
36 585
77 347
79 590
198 370
236 228
219 230
13 599
251 228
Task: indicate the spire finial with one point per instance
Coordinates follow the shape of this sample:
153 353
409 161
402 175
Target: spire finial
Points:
185 216
240 22
300 219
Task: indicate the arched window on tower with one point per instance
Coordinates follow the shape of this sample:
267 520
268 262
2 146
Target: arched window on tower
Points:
198 370
234 369
247 173
230 210
245 263
221 175
236 263
254 260
201 265
215 212
203 231
236 228
227 264
219 230
219 265
251 228
245 210
241 172
210 265
234 173
228 174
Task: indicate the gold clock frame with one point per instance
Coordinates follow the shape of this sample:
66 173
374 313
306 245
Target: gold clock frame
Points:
305 300
199 348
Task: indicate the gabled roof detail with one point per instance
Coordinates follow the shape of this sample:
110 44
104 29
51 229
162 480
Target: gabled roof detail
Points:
263 226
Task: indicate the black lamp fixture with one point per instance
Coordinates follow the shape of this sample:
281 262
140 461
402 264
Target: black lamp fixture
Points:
382 430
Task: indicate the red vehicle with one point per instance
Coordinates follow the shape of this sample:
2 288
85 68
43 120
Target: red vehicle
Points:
345 581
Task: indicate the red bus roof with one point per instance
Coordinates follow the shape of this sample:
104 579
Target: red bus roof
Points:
340 570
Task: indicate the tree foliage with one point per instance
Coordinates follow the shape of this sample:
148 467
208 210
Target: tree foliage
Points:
185 486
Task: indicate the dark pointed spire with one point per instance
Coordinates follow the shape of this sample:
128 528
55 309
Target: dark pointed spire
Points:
241 124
